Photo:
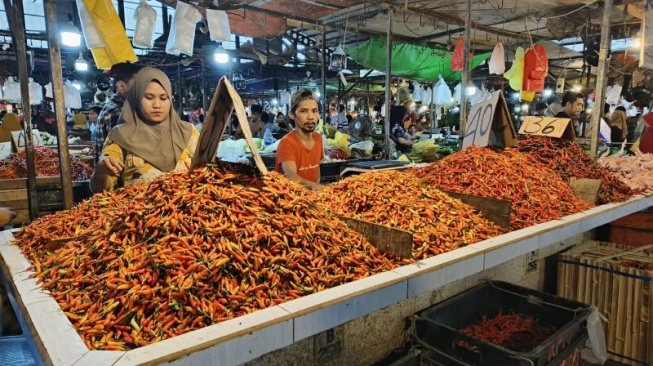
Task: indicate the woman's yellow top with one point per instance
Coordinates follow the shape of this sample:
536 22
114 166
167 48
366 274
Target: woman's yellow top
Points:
138 170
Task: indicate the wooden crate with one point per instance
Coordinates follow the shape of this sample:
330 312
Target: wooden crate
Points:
618 280
13 194
635 229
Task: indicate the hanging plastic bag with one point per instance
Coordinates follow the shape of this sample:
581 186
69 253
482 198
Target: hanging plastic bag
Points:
417 92
72 97
458 55
182 31
218 22
92 37
442 93
145 17
35 92
457 93
117 47
427 96
596 351
497 63
613 94
536 68
12 91
515 75
48 91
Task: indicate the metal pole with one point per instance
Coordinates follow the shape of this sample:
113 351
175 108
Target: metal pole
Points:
121 11
466 73
324 71
204 96
388 80
601 74
59 105
16 20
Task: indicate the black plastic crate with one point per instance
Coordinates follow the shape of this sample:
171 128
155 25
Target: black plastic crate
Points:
438 327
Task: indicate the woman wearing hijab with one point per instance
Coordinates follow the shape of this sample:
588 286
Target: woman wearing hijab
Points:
150 138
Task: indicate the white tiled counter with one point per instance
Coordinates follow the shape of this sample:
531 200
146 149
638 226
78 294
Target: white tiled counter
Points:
293 324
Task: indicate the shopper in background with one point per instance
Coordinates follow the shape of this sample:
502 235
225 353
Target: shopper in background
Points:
150 138
256 124
618 124
300 152
92 124
123 79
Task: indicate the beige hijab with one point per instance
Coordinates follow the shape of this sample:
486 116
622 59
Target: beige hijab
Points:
160 144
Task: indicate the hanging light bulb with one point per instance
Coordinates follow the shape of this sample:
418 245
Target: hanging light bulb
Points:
547 92
81 64
70 35
221 56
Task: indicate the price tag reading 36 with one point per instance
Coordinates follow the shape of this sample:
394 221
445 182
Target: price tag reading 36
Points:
544 126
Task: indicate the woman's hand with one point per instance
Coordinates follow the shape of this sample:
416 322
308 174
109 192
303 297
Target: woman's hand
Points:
110 166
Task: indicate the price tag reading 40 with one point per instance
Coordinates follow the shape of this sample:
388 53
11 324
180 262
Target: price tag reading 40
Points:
489 124
547 126
479 123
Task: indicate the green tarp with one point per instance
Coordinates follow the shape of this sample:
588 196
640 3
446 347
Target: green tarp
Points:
409 61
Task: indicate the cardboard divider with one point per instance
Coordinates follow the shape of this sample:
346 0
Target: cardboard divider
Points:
225 101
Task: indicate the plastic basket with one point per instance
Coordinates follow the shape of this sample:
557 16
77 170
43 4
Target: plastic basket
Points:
438 327
15 352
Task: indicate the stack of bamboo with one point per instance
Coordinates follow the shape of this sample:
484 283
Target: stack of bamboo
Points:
617 279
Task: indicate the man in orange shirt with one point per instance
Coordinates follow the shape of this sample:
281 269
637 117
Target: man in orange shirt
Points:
300 152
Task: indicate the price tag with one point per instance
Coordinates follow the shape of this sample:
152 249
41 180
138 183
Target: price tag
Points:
489 124
547 126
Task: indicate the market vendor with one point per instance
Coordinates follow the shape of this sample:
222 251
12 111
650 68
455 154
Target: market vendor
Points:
300 152
150 138
618 124
572 104
256 124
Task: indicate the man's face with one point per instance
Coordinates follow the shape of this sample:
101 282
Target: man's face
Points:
574 109
306 115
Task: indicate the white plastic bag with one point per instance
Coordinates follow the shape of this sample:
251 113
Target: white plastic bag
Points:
612 94
442 93
72 97
497 64
91 35
182 31
48 90
417 92
596 351
427 96
218 21
145 16
35 92
232 150
365 146
12 90
457 93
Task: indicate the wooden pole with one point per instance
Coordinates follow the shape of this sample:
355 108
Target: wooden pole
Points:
601 76
388 80
16 20
59 102
324 70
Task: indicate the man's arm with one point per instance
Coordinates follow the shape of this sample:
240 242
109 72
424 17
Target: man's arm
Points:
290 171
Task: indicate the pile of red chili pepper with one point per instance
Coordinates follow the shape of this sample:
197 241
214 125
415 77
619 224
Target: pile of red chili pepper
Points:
46 164
636 264
570 161
190 250
517 332
537 193
438 222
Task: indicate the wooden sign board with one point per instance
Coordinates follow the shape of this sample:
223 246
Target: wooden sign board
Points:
225 101
548 126
493 209
386 239
489 124
586 189
18 139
